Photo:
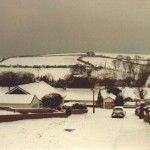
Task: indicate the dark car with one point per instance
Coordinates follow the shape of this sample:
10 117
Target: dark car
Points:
118 112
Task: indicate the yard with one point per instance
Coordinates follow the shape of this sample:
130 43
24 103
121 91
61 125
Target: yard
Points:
87 131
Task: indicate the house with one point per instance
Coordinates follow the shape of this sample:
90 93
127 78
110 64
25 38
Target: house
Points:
39 89
79 95
19 101
109 101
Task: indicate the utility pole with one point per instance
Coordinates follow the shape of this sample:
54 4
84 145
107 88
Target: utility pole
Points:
93 101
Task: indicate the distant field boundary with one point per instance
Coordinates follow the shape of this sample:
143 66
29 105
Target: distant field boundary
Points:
35 66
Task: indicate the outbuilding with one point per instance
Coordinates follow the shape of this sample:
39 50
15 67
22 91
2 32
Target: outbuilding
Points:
109 102
19 101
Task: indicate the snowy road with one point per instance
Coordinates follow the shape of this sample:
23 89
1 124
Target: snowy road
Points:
90 131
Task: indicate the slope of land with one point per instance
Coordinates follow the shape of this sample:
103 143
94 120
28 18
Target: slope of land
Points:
87 131
59 65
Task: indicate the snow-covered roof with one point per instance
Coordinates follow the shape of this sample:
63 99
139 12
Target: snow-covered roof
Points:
106 95
4 90
84 94
79 94
110 96
39 89
16 99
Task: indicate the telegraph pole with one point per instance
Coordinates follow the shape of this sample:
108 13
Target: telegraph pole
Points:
93 101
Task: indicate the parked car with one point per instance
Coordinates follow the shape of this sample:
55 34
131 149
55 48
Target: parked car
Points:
118 112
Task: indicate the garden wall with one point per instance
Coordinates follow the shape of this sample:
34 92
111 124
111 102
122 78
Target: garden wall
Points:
8 118
79 111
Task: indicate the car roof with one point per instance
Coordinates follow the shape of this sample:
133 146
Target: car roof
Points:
118 107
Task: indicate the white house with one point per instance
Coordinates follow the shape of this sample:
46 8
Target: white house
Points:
19 101
39 89
79 95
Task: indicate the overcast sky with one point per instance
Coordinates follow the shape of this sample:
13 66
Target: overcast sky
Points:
58 26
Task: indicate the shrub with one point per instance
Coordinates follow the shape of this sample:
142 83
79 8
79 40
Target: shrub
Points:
119 101
53 100
99 99
68 110
79 106
128 99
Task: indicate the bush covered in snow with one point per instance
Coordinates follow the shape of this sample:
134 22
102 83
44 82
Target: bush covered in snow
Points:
53 100
128 99
79 106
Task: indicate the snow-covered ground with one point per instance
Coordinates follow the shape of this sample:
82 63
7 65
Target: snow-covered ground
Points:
107 62
68 59
107 73
99 61
45 60
114 55
89 131
64 54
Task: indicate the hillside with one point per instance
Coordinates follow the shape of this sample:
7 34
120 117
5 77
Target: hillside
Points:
60 65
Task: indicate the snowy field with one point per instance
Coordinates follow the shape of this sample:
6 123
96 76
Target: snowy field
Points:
64 54
89 131
114 55
106 62
68 59
99 61
106 73
46 60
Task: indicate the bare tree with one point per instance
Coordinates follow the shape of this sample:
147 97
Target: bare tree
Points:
142 78
99 98
90 53
128 58
134 70
130 66
137 59
125 65
120 57
116 63
78 69
143 74
148 62
140 92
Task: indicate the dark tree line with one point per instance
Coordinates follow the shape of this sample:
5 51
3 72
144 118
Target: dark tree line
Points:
89 82
13 79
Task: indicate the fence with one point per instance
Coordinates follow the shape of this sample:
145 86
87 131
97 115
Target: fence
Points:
8 118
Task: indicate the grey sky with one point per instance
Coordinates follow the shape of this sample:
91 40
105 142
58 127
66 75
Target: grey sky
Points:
56 26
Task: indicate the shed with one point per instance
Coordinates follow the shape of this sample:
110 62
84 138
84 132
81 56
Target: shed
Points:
19 101
109 102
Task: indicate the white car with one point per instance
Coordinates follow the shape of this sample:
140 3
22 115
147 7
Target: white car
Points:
118 112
